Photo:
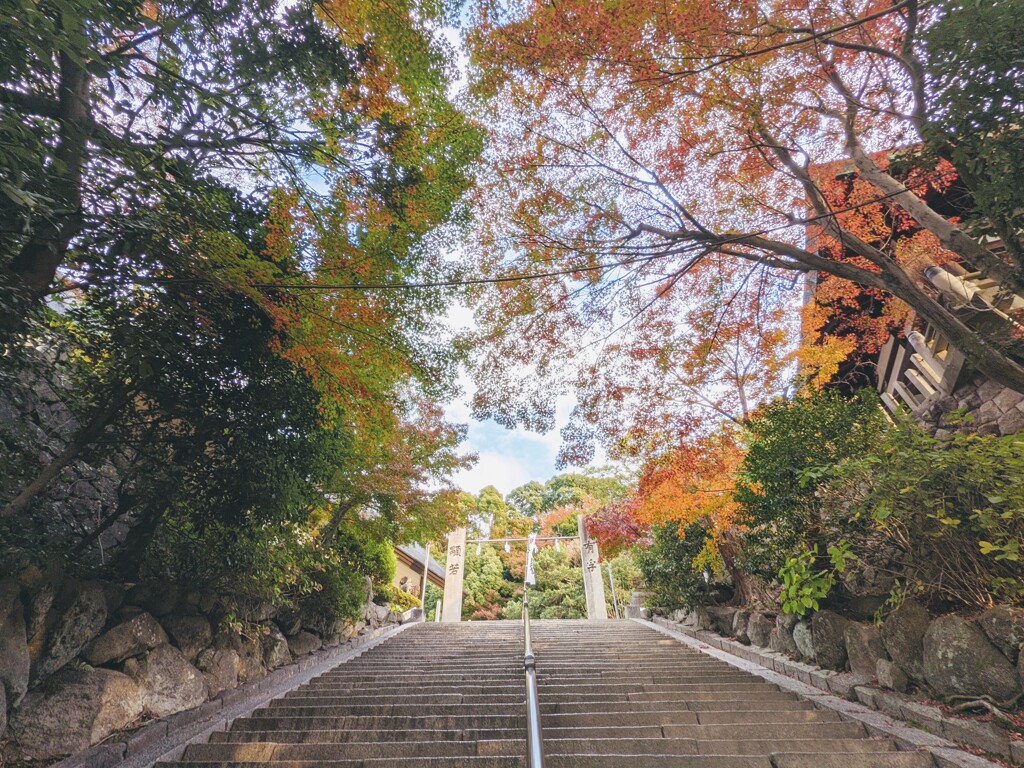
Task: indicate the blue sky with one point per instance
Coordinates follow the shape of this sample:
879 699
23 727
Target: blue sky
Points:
507 458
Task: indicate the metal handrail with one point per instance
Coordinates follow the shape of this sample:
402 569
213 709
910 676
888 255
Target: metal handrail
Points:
534 736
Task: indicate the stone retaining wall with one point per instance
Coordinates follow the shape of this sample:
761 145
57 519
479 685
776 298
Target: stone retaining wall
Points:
80 661
989 407
35 416
946 656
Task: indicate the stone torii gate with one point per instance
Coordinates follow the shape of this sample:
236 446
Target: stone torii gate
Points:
455 565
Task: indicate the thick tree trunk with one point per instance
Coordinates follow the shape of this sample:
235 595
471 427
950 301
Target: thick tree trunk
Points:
950 236
749 590
338 515
34 267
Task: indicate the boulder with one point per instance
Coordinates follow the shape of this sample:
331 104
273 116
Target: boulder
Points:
3 710
864 648
168 682
891 676
43 597
290 621
220 668
411 615
75 709
83 614
381 612
135 636
828 632
959 659
157 598
1004 627
782 636
250 655
190 634
698 618
759 629
803 638
313 619
334 634
113 593
903 637
14 658
275 648
211 604
303 644
256 611
722 618
739 626
333 640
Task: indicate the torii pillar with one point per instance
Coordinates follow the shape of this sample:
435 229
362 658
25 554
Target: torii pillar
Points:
597 609
454 572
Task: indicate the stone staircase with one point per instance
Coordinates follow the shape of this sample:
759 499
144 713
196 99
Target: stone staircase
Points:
612 693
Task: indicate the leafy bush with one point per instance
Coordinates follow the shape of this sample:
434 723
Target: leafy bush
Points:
790 445
559 591
950 516
341 593
487 586
434 596
671 565
628 578
280 562
802 586
399 600
371 556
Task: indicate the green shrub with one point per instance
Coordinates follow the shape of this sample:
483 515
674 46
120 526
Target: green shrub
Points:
790 446
668 565
487 586
558 593
628 578
363 551
341 593
399 600
949 516
280 562
434 596
803 586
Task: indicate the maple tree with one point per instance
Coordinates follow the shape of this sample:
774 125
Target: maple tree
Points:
639 151
694 484
845 325
215 195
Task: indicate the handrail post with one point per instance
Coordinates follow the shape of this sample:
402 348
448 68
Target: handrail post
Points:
534 735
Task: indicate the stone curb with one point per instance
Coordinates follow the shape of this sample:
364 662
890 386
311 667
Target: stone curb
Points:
825 687
167 738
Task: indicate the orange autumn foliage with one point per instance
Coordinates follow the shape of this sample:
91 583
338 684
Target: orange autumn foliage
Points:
694 482
844 323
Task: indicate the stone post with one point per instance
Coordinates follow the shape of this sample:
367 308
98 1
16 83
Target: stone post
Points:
455 566
597 609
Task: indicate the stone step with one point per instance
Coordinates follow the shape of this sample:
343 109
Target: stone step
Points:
371 722
611 693
273 752
841 730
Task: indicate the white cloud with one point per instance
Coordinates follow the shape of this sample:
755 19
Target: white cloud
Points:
502 471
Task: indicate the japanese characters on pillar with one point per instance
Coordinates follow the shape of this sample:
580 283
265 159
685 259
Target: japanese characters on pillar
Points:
455 566
593 586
